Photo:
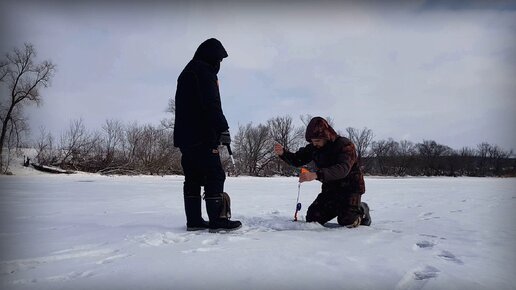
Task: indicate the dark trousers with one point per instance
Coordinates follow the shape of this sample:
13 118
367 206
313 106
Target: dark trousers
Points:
328 205
202 167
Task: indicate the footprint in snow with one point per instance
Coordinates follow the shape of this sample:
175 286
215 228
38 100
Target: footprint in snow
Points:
426 273
69 276
427 216
432 236
58 278
200 250
110 259
425 245
416 279
210 242
79 252
239 239
159 239
448 256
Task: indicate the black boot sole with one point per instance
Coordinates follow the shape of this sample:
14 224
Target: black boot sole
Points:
224 230
193 229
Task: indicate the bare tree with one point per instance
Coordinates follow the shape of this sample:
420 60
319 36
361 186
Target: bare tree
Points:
73 142
133 135
153 148
406 152
467 160
113 139
23 79
171 108
430 153
385 151
483 157
362 140
3 69
17 130
497 157
45 153
283 131
253 145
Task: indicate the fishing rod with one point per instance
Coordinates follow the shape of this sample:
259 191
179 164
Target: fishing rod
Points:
298 204
230 154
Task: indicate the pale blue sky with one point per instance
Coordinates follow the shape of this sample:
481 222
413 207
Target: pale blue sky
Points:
408 70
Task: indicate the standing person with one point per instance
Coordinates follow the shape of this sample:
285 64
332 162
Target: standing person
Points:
337 170
200 127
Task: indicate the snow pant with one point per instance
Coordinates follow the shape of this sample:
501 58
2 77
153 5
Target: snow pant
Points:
328 205
202 167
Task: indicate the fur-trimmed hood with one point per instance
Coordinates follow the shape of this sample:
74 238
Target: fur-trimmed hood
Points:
318 128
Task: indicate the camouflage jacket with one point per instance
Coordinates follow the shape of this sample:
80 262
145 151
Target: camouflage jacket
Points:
337 165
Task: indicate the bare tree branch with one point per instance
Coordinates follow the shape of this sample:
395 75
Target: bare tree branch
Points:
23 78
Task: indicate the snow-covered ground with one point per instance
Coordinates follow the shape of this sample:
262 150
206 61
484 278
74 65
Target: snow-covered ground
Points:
87 231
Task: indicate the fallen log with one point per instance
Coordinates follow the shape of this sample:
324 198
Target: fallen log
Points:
49 169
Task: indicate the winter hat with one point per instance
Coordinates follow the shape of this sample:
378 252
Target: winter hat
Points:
318 128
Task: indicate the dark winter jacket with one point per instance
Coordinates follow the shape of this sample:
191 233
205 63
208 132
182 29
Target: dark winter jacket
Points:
337 165
199 119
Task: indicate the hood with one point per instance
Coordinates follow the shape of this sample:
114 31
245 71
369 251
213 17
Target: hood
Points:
212 52
318 128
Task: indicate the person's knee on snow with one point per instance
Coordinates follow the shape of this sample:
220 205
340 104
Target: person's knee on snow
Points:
350 215
318 213
313 216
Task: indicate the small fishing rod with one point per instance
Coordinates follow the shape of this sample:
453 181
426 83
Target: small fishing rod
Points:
298 204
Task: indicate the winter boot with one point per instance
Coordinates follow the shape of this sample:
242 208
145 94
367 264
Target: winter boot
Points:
366 218
219 212
194 220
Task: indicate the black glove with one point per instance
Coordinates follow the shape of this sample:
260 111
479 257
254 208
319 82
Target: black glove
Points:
225 138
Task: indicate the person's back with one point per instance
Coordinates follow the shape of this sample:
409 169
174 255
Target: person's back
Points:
328 157
199 128
190 119
198 111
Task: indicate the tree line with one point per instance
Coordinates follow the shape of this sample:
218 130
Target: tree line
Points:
119 148
146 149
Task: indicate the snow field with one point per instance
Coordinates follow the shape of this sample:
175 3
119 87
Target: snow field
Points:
87 231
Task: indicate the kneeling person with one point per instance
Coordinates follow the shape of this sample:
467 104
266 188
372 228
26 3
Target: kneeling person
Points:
337 169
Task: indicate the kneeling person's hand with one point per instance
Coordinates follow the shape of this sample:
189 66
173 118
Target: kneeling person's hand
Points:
307 176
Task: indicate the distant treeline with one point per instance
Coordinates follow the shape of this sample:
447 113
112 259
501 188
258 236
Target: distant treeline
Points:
148 149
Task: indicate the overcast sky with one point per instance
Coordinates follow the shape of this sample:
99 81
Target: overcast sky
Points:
408 70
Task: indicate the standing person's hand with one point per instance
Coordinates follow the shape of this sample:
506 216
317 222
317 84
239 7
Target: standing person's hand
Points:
225 138
278 149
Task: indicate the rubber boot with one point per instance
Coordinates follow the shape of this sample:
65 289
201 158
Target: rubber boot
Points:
219 212
366 218
194 220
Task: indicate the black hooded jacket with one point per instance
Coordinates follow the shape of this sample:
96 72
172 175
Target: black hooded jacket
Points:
199 119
